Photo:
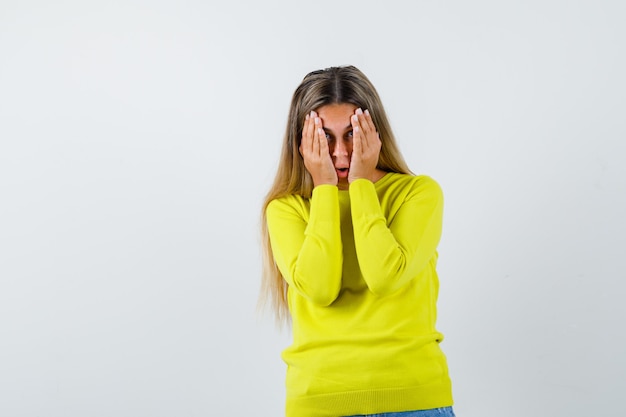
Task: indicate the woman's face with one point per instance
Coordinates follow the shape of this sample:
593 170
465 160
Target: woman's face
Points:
336 123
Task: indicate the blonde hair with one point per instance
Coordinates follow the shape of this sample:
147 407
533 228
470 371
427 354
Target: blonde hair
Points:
333 85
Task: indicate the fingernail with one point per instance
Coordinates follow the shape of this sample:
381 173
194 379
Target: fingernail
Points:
306 117
355 118
359 111
317 120
367 112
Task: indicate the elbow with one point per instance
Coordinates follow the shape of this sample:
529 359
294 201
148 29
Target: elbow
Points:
383 288
322 294
392 283
323 298
387 278
386 281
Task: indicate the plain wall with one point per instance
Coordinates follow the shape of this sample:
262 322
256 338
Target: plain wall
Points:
137 140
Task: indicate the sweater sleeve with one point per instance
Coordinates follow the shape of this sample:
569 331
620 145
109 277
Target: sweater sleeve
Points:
390 255
308 252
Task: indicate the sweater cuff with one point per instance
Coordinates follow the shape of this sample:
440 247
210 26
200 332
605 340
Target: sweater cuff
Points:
324 203
364 199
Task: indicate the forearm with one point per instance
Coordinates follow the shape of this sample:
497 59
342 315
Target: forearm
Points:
390 255
308 250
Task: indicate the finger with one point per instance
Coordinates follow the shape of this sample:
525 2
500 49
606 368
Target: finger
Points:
303 139
308 132
323 142
317 139
357 141
369 130
369 122
358 135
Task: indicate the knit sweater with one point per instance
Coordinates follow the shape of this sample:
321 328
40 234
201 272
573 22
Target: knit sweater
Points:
362 292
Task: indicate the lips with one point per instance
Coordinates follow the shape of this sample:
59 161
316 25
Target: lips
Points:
342 172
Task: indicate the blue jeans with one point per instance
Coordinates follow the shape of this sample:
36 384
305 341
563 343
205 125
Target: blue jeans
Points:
435 412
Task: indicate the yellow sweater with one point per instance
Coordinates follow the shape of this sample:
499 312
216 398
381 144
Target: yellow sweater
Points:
363 288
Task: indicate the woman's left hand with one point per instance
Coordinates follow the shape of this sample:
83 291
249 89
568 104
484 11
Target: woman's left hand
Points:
365 146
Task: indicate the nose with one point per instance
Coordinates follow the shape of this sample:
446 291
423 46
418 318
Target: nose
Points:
340 148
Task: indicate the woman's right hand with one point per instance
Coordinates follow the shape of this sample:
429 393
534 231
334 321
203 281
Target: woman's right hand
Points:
314 151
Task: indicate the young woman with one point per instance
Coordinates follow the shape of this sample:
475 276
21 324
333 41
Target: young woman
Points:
350 238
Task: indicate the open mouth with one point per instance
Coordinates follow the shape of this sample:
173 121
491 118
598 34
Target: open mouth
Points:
342 172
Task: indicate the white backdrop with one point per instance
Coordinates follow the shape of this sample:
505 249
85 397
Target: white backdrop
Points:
137 140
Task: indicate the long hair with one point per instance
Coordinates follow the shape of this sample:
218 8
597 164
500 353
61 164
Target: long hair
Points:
335 85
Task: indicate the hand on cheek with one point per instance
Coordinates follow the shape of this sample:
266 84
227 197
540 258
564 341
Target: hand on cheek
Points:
315 153
365 147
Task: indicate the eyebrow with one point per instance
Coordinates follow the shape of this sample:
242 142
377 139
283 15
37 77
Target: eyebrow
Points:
349 127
